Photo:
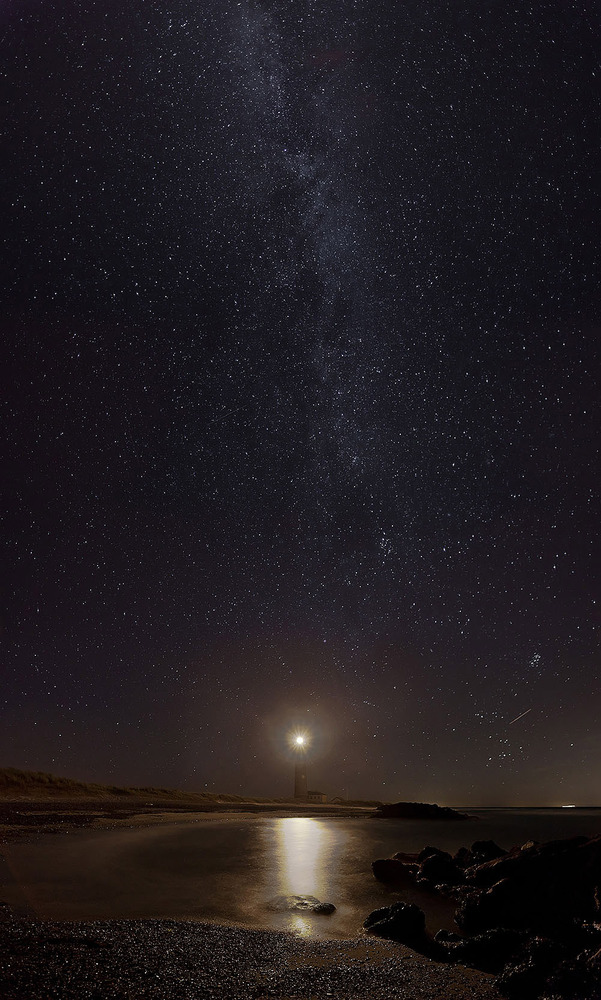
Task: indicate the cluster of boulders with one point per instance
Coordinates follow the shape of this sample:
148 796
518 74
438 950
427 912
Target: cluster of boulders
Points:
531 915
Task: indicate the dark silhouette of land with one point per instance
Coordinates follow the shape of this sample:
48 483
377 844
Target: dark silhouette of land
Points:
37 800
43 802
417 810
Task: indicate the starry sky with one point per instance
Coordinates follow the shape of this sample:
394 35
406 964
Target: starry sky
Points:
301 314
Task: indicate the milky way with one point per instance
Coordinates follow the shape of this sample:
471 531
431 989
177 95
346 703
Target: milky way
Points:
301 309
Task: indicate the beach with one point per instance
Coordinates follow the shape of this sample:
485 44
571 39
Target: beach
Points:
185 960
32 817
116 959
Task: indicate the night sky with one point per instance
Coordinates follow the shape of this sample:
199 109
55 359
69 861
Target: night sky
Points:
301 312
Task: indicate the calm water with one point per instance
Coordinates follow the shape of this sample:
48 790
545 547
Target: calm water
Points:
227 868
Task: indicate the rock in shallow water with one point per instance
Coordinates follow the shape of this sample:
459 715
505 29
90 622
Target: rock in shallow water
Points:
532 915
393 871
417 810
403 922
300 904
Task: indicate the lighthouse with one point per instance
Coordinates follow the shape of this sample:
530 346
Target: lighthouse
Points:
300 780
300 769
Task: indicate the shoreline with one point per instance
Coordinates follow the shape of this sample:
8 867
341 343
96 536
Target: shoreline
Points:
114 953
26 818
148 959
113 959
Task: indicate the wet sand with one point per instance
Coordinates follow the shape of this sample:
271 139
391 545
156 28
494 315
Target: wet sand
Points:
169 959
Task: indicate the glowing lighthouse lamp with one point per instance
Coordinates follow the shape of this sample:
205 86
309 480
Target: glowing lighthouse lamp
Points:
300 743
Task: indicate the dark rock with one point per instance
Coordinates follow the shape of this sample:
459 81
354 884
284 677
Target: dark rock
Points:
462 892
417 810
529 845
583 935
556 857
503 905
395 872
475 914
300 904
431 852
444 936
463 857
531 914
574 980
485 850
441 868
324 908
540 886
489 872
382 913
489 951
520 981
425 884
454 892
403 922
526 974
411 859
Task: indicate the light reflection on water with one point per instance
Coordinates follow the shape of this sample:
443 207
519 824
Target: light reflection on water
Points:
304 850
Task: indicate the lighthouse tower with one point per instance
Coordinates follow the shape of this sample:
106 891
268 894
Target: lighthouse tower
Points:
299 743
300 780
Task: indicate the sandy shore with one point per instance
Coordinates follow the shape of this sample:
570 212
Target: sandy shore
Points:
177 960
30 818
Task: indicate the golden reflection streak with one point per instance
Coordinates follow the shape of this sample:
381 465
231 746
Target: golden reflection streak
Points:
304 849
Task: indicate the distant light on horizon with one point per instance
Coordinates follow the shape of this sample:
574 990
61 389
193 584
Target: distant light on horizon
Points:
300 740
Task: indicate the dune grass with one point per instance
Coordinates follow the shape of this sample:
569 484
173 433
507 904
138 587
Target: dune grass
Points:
38 785
15 783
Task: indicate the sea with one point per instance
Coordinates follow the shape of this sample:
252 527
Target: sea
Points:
229 868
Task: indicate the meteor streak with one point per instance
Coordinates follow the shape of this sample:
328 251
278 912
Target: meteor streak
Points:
520 716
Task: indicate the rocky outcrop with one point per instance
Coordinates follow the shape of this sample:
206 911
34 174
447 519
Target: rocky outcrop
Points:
538 886
403 922
417 810
394 872
531 915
